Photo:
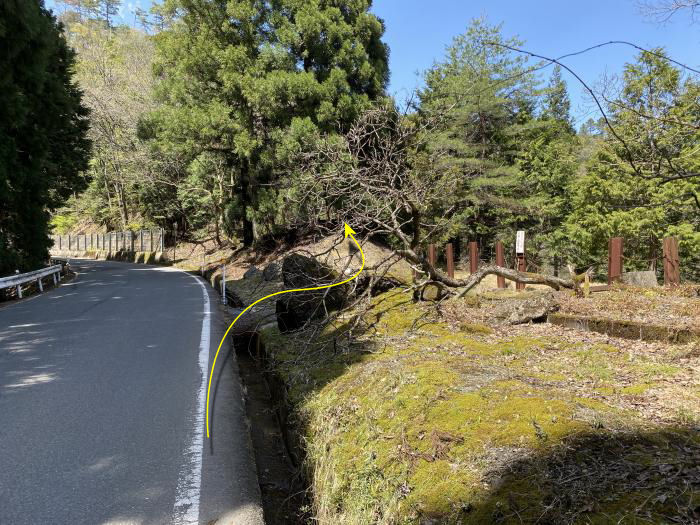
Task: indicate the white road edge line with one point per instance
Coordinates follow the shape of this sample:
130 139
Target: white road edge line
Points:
186 509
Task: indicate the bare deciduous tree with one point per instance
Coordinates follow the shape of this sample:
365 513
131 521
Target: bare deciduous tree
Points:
663 10
382 179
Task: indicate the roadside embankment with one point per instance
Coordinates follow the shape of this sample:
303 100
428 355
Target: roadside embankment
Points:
429 416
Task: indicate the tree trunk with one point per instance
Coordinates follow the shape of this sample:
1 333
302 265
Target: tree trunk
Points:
248 231
490 269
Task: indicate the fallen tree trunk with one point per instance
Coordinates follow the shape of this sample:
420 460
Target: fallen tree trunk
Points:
520 277
490 269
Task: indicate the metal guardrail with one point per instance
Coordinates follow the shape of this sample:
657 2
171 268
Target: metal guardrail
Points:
37 275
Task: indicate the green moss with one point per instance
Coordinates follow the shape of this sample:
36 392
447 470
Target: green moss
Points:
440 488
412 427
650 369
636 390
593 368
475 328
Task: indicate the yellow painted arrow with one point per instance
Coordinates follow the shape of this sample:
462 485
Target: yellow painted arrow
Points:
348 232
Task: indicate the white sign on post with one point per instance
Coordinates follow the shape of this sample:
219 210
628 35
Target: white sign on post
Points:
520 243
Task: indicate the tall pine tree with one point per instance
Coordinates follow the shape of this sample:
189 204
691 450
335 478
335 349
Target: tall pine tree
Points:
484 96
557 105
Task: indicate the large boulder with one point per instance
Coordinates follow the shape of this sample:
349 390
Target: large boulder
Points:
531 307
241 293
296 308
273 271
251 272
343 257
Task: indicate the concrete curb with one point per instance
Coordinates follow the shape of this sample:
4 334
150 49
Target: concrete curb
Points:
625 329
223 502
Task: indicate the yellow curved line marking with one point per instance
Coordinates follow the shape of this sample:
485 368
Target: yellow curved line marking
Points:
348 231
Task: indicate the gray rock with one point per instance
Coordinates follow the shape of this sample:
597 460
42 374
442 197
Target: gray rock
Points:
251 272
295 309
273 271
529 308
645 279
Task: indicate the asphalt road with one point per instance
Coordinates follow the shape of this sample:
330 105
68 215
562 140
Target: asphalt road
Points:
102 385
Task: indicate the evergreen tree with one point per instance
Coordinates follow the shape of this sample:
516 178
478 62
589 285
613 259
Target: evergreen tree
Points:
82 8
43 127
108 9
548 163
485 97
623 192
557 105
249 81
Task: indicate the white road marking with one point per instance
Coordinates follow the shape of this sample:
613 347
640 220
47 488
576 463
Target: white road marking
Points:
186 509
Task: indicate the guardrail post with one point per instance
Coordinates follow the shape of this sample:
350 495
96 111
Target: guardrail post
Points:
19 287
55 282
41 285
223 284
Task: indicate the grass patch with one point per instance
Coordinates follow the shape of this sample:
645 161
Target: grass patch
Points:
431 422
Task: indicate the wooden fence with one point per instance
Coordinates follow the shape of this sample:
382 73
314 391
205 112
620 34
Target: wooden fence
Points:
671 260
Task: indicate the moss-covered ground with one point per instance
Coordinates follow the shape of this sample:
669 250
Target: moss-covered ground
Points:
429 416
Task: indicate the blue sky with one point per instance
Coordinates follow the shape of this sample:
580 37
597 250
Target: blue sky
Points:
419 30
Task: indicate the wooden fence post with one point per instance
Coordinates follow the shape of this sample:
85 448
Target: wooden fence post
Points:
450 255
473 256
500 261
432 254
672 264
615 249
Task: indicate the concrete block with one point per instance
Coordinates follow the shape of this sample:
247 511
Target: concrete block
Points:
645 279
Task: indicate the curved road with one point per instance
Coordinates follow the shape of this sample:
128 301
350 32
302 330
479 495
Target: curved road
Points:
102 385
